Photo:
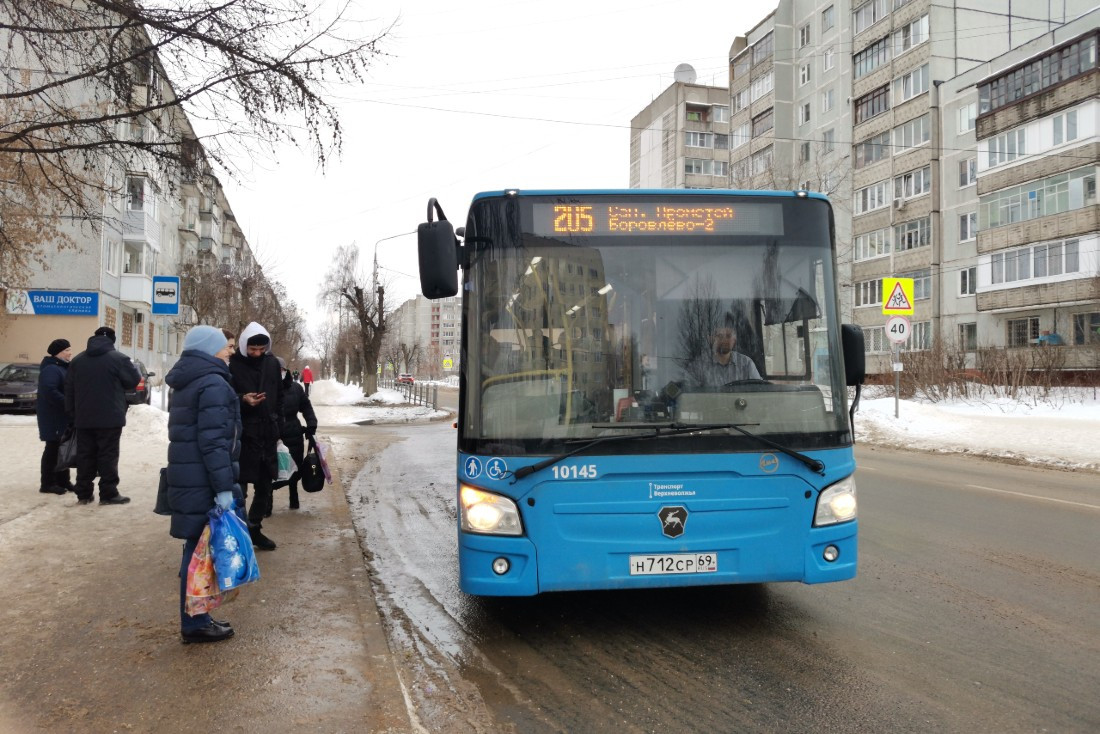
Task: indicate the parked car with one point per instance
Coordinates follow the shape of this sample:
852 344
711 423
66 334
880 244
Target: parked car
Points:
18 387
405 378
141 393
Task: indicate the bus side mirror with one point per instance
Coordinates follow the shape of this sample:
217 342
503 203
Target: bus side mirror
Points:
438 253
855 359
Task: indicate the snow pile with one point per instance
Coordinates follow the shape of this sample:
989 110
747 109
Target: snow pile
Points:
388 396
331 392
149 422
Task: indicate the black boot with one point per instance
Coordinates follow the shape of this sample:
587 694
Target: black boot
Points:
261 541
294 496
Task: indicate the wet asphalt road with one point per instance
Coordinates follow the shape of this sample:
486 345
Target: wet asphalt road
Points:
975 610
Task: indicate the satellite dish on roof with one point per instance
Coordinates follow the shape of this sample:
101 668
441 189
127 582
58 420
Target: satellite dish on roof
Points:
684 73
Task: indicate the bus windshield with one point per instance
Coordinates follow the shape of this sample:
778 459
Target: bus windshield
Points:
591 316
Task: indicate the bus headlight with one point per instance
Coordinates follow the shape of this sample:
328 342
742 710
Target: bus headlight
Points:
836 503
485 512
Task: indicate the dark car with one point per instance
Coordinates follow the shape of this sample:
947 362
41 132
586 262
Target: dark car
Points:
141 393
19 387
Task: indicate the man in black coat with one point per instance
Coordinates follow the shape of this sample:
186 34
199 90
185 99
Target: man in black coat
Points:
95 403
258 381
295 402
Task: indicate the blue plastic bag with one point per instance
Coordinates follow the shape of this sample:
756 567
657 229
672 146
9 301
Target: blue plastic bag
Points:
234 558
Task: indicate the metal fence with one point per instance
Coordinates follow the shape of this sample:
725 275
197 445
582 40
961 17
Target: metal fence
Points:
417 394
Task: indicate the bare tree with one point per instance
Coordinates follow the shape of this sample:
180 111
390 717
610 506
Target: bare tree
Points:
364 297
86 92
412 355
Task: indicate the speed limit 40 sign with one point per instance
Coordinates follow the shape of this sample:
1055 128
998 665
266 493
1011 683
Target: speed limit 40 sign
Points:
897 329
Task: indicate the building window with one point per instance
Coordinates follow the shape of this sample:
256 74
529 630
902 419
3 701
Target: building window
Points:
870 58
968 172
1065 127
968 226
698 140
828 140
1022 332
741 64
828 18
695 116
873 104
828 58
804 36
1086 328
1037 261
804 113
1054 195
869 293
910 85
740 100
1053 68
135 193
968 337
804 154
804 74
875 341
910 35
1007 147
913 183
872 150
922 283
967 115
968 281
762 123
740 136
762 49
913 133
875 196
872 244
762 161
914 234
721 141
868 14
721 113
761 86
110 255
920 337
828 99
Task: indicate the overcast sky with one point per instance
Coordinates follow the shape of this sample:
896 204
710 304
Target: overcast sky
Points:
473 97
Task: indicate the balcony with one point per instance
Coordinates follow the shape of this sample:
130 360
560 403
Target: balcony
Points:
136 290
141 226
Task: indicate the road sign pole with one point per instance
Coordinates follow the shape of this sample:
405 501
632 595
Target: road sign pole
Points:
897 380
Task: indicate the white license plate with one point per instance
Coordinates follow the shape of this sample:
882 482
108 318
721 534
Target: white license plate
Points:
669 563
7 400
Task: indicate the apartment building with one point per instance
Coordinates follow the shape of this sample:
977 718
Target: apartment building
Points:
681 139
152 222
1021 218
436 326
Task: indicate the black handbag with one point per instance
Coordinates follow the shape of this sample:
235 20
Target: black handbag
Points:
66 452
162 507
312 475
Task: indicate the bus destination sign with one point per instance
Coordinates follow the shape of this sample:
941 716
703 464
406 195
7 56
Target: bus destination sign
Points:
609 218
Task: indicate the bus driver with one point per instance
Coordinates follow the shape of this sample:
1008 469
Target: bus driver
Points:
723 364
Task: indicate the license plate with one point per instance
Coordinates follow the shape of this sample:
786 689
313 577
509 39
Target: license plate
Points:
7 400
670 563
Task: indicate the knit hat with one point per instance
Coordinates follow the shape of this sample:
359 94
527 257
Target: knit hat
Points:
106 331
258 340
57 346
206 339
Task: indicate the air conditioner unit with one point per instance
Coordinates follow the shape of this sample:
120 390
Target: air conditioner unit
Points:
899 203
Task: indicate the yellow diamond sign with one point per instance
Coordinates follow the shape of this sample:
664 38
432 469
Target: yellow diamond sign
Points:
897 296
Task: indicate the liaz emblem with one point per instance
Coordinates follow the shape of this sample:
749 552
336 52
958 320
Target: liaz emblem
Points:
673 520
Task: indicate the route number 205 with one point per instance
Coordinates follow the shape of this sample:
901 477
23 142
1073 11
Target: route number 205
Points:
586 471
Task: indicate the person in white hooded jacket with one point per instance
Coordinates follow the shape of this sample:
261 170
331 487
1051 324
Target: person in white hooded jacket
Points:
258 381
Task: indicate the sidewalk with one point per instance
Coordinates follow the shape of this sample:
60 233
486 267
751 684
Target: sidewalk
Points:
90 620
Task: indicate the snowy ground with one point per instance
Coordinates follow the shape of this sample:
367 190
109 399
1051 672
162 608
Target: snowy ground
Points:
1062 430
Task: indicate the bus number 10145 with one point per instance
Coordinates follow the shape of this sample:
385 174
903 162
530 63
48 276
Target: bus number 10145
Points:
586 471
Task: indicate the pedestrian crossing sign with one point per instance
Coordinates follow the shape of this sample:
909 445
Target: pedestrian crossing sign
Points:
897 296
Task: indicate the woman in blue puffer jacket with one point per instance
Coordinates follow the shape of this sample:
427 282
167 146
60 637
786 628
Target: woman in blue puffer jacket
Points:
204 431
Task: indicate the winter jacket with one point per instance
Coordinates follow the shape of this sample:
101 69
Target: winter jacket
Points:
96 385
262 423
307 375
296 402
50 405
204 429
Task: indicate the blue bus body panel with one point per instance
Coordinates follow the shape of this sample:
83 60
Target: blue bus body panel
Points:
754 511
654 192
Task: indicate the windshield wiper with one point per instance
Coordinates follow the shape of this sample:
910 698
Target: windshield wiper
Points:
661 430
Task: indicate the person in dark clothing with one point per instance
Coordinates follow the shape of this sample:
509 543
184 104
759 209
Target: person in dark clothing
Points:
258 382
295 402
50 407
95 403
204 425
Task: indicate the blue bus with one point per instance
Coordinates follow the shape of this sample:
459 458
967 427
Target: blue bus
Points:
652 389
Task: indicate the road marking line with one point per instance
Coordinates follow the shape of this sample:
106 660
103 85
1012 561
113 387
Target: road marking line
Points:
1035 497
